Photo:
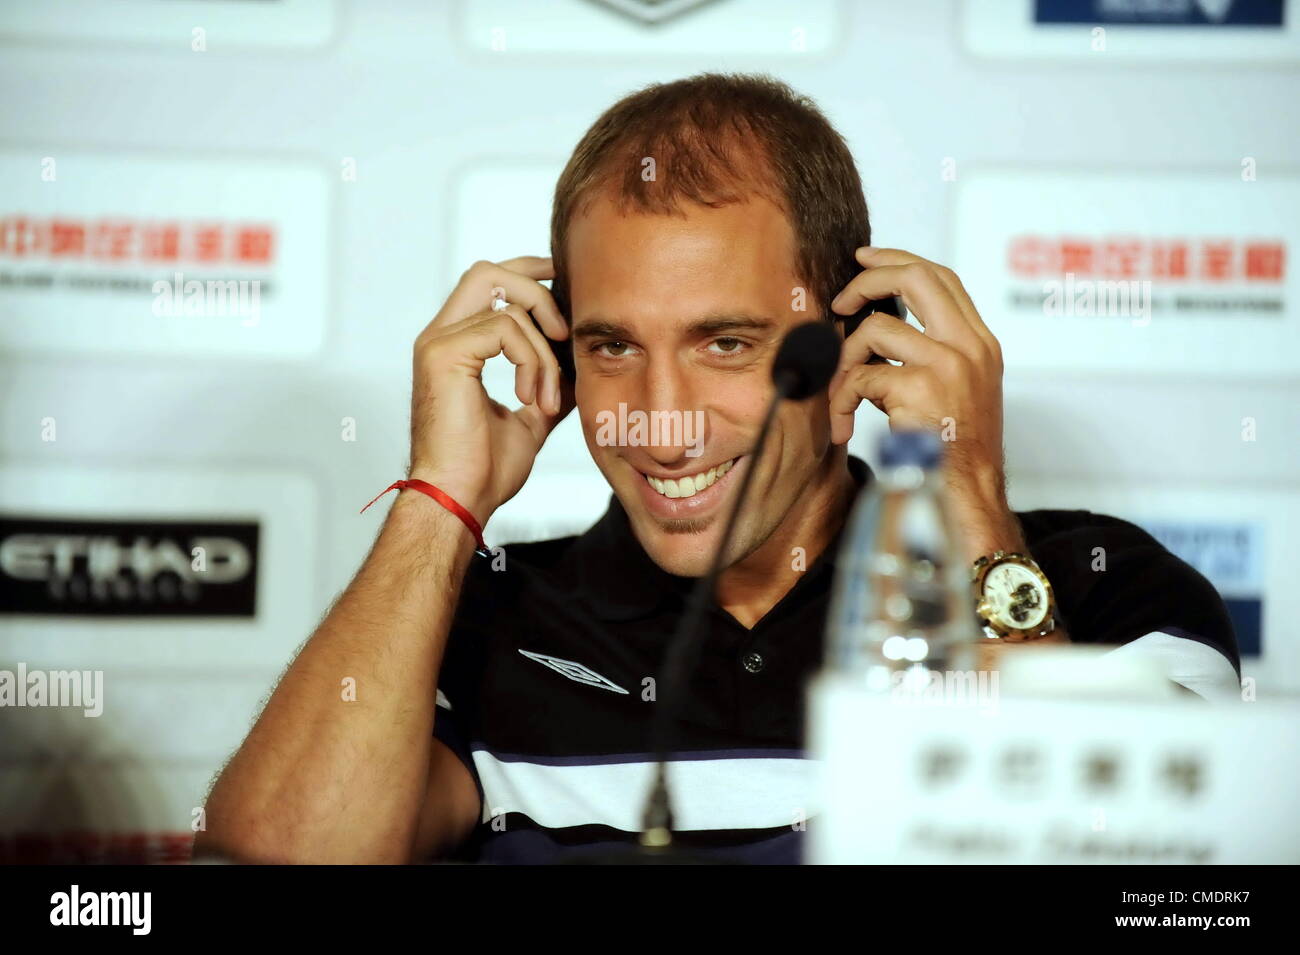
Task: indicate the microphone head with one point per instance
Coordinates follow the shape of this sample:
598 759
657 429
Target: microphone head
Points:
807 360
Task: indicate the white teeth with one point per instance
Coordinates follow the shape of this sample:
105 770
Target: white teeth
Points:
691 485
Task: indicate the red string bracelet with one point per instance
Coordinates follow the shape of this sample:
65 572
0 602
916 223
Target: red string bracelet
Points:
447 501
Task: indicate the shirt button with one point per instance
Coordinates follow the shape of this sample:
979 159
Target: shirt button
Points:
753 662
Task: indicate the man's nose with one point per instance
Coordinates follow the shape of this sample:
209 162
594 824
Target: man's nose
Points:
668 400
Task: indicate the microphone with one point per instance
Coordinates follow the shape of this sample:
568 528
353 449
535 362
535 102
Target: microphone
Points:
806 361
804 366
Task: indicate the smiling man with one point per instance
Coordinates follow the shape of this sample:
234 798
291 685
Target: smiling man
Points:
503 703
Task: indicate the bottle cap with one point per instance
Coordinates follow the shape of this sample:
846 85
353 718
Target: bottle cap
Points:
922 449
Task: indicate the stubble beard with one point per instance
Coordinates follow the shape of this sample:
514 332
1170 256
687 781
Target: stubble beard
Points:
746 542
687 526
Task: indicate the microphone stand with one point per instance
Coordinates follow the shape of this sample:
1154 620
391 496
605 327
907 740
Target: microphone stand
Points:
657 819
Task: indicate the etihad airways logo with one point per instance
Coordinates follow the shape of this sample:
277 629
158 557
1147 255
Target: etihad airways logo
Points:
124 567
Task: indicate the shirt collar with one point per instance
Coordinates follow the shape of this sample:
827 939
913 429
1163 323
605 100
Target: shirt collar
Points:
621 582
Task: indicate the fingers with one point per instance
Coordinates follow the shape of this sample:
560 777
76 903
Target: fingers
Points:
537 300
884 335
534 266
548 390
489 334
474 292
870 257
857 348
863 381
922 292
899 392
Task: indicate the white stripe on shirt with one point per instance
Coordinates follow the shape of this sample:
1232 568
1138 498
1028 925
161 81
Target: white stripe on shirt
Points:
740 793
1189 663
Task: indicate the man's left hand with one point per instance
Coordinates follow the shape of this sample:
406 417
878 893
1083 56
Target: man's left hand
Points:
950 381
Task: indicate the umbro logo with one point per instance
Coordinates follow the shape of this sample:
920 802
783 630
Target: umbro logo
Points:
574 671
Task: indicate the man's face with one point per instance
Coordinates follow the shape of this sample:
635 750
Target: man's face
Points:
679 318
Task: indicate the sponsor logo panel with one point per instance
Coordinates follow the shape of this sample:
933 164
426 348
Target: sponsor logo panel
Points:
152 254
171 568
1094 271
128 568
1245 32
1165 13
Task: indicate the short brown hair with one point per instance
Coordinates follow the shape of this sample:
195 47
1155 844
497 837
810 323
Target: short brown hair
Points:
716 139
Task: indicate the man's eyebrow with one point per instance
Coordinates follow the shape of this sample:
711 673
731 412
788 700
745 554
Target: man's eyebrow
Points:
709 325
600 328
714 324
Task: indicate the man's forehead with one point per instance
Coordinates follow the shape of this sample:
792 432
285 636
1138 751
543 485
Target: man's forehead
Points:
702 255
608 210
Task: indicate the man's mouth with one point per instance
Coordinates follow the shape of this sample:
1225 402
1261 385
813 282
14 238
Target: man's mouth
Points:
691 496
691 484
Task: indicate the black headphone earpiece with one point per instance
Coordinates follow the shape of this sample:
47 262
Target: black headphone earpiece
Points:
563 352
891 305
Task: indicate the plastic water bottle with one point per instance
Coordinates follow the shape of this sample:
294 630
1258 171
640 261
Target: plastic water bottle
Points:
902 608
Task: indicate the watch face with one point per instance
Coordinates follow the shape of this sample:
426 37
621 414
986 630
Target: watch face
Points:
1017 596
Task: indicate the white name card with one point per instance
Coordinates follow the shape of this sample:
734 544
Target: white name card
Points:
1018 780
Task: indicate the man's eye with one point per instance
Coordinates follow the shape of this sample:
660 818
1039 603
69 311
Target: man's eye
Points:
727 346
612 349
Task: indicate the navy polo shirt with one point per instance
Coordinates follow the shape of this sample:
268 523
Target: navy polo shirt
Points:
548 686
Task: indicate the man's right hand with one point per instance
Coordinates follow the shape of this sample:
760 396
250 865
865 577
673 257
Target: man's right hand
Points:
296 792
462 441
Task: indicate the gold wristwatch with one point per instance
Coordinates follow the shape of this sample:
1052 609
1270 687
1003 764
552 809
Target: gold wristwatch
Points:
1013 597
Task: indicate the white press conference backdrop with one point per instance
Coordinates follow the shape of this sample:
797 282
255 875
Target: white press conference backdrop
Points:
337 165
